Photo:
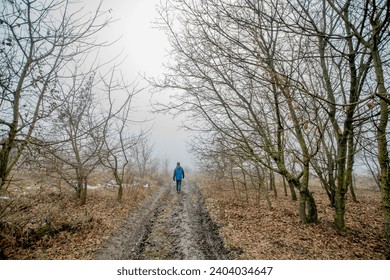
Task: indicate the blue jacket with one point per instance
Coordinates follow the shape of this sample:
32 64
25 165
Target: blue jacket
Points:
178 173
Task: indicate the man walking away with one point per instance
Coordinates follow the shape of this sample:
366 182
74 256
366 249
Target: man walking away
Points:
178 175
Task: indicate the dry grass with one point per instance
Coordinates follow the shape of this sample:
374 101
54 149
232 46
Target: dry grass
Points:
48 223
41 222
257 233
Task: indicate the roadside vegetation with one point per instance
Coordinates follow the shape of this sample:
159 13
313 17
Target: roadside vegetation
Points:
44 222
253 231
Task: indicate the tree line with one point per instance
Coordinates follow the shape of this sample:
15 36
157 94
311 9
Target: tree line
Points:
290 87
65 110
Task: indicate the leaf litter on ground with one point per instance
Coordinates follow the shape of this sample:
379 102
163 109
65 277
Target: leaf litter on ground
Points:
259 233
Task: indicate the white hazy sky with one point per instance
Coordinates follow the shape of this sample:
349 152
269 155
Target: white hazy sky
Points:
146 49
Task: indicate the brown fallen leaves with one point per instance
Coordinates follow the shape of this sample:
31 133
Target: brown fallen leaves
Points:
48 224
258 233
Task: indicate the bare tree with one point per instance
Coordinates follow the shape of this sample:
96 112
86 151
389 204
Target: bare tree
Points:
76 134
79 135
370 29
231 68
39 38
165 166
351 40
342 93
146 162
119 142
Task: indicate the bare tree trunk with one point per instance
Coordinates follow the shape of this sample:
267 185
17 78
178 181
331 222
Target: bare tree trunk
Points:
352 190
351 157
308 207
83 193
119 182
120 192
341 186
285 187
292 190
343 175
245 184
272 183
233 182
381 137
262 188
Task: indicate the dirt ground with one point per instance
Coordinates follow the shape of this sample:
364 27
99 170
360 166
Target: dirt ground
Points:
257 232
167 225
47 224
204 221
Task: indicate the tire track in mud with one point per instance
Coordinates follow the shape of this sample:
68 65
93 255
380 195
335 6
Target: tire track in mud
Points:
167 225
127 241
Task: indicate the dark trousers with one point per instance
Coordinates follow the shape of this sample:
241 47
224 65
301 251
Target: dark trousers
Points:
178 185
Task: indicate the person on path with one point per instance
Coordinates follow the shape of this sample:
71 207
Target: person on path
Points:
178 175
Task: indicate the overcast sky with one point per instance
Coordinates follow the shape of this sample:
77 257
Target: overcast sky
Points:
146 49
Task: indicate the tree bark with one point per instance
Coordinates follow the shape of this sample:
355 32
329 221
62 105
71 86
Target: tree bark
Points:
83 193
381 137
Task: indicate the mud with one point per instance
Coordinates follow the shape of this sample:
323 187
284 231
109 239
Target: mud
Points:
167 225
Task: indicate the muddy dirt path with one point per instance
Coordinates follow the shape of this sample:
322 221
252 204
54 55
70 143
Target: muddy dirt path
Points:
167 225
